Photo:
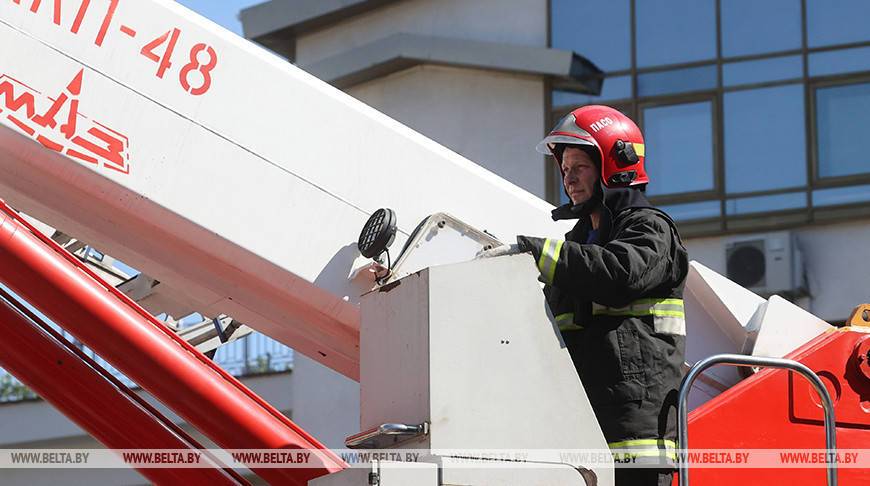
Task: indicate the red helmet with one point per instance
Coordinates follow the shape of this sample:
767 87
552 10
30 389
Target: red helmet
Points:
616 138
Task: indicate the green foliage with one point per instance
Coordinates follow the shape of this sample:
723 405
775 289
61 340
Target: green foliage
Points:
12 390
262 365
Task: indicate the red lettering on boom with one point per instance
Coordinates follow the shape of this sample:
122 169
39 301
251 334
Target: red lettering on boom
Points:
61 127
26 100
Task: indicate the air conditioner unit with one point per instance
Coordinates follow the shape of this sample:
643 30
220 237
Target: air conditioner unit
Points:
766 264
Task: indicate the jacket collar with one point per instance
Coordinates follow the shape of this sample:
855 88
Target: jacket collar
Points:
613 201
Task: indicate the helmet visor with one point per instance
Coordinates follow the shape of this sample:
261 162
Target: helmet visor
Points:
547 145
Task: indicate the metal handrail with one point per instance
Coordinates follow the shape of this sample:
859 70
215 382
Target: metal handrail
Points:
386 435
749 361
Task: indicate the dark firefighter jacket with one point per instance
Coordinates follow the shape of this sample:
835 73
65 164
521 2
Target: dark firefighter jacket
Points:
618 302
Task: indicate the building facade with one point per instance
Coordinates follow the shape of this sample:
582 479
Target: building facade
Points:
753 112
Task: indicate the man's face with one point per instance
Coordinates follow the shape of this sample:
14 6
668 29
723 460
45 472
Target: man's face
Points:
579 174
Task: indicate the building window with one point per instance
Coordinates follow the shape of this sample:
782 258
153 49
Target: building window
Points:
676 81
840 61
674 31
754 115
837 22
679 148
693 211
842 121
765 141
751 27
765 204
762 70
600 30
839 196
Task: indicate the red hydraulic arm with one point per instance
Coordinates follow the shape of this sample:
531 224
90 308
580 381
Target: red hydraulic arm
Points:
92 398
150 354
778 410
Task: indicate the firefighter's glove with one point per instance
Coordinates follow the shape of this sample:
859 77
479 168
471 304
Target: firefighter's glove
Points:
535 246
499 251
531 244
524 244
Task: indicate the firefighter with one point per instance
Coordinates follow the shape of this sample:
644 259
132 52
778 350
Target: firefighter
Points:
615 287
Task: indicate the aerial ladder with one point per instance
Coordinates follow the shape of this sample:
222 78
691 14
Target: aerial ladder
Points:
228 174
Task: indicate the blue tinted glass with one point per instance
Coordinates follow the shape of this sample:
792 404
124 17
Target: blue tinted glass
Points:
843 128
841 195
675 31
614 89
841 61
762 70
756 27
699 210
679 147
776 202
837 21
606 41
679 81
238 356
765 144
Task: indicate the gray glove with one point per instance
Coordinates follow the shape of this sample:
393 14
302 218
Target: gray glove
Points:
499 251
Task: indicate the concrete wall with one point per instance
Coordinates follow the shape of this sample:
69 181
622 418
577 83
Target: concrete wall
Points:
324 403
835 261
491 118
506 111
521 22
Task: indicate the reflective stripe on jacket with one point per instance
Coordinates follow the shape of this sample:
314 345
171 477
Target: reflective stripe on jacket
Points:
663 450
669 315
619 306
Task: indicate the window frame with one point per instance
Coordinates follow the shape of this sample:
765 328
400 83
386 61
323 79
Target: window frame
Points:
715 112
807 144
816 180
717 21
761 221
